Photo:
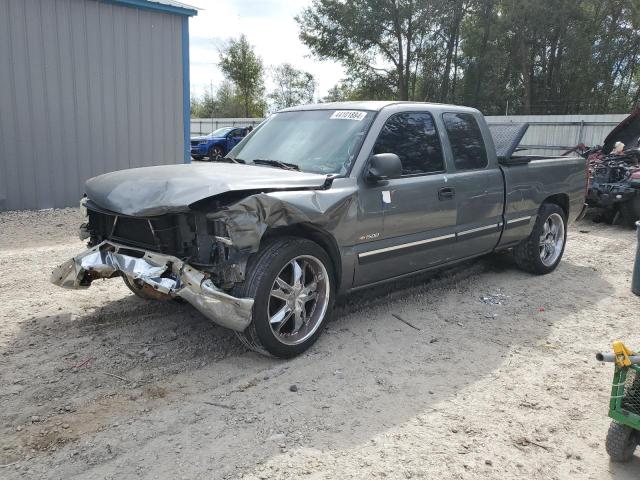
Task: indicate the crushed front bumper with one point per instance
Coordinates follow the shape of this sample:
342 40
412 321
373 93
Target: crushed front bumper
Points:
164 273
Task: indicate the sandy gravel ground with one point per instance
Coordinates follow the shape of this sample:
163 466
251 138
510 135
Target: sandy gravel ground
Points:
100 384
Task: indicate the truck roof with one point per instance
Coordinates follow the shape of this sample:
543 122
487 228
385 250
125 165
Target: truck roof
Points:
374 106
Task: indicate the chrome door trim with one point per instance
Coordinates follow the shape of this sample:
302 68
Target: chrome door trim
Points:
479 229
518 220
406 245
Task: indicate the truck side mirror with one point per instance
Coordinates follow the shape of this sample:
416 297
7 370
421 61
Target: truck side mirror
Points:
384 166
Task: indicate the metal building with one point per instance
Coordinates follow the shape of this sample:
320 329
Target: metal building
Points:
87 87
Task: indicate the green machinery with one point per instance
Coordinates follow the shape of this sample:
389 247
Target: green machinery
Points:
624 407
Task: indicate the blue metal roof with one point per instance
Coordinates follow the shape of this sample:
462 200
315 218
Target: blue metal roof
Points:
166 6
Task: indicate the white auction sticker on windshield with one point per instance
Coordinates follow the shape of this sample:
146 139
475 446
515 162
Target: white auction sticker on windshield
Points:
348 115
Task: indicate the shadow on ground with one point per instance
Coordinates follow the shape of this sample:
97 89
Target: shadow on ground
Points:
230 408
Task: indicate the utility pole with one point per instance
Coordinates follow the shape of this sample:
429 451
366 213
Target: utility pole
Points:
212 103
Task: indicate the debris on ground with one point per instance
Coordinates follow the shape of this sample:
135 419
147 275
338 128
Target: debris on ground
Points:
395 315
494 299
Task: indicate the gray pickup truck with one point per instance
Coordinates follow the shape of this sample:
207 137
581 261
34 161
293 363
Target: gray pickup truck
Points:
321 200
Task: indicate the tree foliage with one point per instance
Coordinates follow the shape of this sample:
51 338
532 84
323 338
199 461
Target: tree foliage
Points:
543 56
223 103
243 67
291 87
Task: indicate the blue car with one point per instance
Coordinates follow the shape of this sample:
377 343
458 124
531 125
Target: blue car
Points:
217 144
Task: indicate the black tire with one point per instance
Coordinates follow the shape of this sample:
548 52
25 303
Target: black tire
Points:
262 270
621 442
630 211
215 152
527 253
144 291
197 157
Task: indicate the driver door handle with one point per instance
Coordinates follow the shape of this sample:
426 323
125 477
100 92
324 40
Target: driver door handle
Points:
446 193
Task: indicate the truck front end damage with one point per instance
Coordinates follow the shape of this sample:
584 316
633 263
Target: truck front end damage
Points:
180 254
165 274
198 254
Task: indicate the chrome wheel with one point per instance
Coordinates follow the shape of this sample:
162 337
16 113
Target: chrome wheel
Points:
552 239
298 300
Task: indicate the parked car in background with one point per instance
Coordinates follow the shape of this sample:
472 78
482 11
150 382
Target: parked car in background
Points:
217 144
321 200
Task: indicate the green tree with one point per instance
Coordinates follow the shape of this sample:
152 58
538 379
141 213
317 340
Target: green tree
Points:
242 66
340 92
557 56
373 38
292 87
204 106
537 57
355 88
228 103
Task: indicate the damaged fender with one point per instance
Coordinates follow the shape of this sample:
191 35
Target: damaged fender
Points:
247 220
166 274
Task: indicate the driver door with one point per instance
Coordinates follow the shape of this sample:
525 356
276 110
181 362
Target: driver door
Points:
419 214
234 137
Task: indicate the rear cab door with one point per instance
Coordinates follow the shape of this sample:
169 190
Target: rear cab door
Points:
476 181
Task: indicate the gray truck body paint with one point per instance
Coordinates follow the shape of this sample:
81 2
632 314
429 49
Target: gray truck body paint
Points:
373 232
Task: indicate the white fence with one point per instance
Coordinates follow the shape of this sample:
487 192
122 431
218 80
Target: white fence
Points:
547 134
555 134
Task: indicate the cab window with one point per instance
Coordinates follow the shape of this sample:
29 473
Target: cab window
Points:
414 138
467 144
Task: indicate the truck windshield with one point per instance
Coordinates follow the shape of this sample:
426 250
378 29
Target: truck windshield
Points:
317 141
221 132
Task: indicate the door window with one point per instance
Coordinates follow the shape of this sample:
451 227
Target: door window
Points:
414 138
467 145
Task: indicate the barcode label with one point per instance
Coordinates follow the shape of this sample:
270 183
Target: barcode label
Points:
348 115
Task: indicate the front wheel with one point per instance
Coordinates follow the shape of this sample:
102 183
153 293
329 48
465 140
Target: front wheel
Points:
215 153
292 283
542 251
621 442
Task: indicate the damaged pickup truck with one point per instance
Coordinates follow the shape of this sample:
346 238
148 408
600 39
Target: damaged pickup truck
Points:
321 200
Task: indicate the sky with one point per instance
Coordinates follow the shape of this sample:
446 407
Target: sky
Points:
269 26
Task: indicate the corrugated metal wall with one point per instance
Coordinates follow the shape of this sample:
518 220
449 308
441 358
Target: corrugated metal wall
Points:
85 88
555 134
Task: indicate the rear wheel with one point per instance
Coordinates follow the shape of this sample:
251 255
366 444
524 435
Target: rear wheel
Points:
542 251
292 283
621 442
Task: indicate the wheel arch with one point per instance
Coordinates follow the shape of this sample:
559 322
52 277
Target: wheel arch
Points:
314 234
561 200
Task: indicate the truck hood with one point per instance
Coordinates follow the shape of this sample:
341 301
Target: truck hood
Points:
150 191
627 132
